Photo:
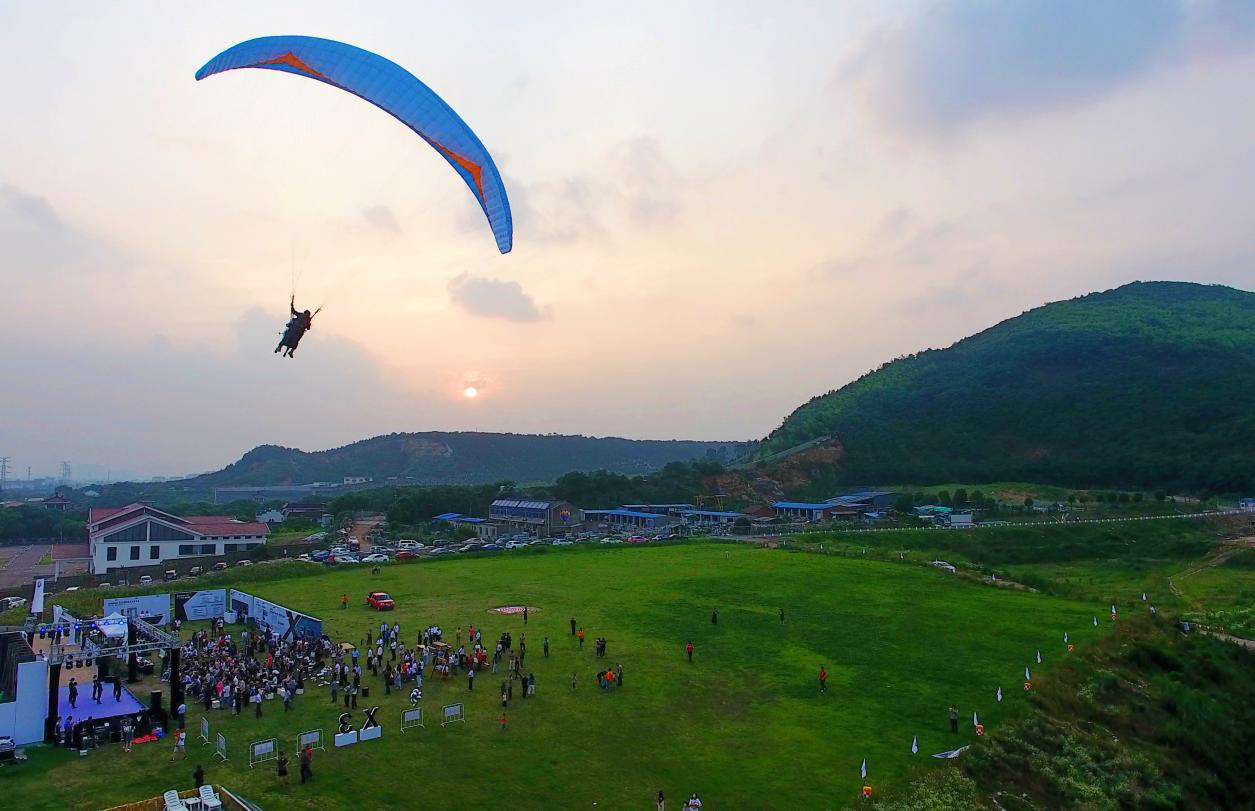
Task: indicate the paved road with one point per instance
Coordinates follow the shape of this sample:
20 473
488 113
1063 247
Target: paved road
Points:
19 565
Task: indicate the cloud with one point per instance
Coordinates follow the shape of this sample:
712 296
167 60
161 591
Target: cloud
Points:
744 321
964 61
39 241
493 298
634 184
269 397
382 218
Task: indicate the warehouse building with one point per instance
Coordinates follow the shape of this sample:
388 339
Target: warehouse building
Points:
141 535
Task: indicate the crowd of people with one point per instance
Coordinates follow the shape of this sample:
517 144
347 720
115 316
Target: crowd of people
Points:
221 670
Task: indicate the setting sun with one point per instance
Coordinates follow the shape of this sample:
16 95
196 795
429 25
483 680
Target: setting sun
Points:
470 392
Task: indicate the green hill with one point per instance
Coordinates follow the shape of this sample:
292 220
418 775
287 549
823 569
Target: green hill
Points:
1150 385
461 458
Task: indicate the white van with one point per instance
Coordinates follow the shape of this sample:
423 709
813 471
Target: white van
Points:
409 545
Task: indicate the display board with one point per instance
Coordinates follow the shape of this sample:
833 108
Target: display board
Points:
154 608
288 624
200 605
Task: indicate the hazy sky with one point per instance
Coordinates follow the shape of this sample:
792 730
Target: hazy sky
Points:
721 209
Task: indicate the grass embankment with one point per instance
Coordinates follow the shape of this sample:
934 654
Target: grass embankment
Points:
1145 719
744 724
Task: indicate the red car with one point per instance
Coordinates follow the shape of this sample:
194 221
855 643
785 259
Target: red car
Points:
380 601
406 554
638 539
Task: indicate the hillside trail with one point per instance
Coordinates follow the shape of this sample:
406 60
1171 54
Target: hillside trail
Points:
1223 552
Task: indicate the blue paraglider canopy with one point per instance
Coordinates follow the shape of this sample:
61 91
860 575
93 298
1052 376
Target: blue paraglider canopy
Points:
392 89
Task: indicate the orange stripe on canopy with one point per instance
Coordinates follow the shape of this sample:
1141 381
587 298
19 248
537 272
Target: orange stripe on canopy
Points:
471 166
293 61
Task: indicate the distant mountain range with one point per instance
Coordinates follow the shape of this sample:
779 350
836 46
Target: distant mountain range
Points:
1148 385
461 458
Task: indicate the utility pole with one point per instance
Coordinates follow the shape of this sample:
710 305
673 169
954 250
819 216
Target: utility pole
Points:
4 472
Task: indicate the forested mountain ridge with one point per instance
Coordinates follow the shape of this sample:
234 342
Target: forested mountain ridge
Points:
461 458
1151 384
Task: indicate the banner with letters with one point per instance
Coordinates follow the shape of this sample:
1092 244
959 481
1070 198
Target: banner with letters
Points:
285 622
154 608
200 605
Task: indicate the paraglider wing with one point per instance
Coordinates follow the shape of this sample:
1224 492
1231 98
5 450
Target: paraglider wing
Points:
392 89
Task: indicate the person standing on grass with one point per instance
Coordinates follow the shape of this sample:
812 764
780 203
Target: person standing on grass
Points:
580 635
470 679
128 733
524 615
546 646
618 673
662 801
572 681
344 602
782 616
180 741
954 719
572 626
689 650
307 764
823 679
504 721
198 776
281 768
714 617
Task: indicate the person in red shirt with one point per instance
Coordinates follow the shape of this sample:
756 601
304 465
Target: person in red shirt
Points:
581 636
689 650
823 679
504 721
344 601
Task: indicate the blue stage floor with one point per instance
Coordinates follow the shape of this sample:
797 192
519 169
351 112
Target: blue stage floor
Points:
107 708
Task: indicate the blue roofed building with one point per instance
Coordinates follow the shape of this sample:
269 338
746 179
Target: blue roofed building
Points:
623 518
541 518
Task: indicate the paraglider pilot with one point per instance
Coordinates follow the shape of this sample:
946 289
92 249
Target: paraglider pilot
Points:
295 330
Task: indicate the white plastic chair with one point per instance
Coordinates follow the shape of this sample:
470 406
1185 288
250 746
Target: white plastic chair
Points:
207 797
173 803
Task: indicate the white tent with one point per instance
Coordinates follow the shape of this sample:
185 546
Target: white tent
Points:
113 626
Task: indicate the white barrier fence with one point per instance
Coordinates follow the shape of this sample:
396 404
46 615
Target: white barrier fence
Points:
412 718
204 729
261 751
451 714
312 739
221 749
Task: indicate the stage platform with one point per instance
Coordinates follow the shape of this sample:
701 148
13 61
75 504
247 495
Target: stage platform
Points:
107 708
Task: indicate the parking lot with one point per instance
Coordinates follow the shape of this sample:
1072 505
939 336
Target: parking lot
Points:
19 565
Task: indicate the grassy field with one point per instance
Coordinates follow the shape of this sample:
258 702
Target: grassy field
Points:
744 725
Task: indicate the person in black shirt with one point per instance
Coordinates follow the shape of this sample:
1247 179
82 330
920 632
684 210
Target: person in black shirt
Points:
199 776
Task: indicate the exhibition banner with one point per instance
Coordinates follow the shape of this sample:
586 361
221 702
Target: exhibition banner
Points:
288 624
200 605
154 608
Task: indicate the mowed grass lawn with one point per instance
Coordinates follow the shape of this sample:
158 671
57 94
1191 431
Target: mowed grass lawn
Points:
744 725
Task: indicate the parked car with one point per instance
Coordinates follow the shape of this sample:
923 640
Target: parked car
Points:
196 571
72 588
470 547
145 580
346 559
492 547
305 558
560 542
218 567
406 554
611 540
105 585
171 574
516 545
409 545
638 539
14 602
375 558
244 563
380 601
440 550
319 555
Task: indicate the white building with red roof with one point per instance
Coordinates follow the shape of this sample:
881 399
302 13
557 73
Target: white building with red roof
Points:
142 535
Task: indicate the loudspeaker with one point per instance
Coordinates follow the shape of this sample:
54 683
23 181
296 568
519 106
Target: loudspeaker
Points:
154 701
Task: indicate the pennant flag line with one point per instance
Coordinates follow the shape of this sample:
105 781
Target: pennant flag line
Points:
1095 621
975 720
1065 636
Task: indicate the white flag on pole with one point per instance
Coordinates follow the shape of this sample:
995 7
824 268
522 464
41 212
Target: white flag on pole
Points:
1095 621
37 598
1000 694
1027 677
975 720
1113 608
863 769
1065 636
1143 596
915 745
1039 657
